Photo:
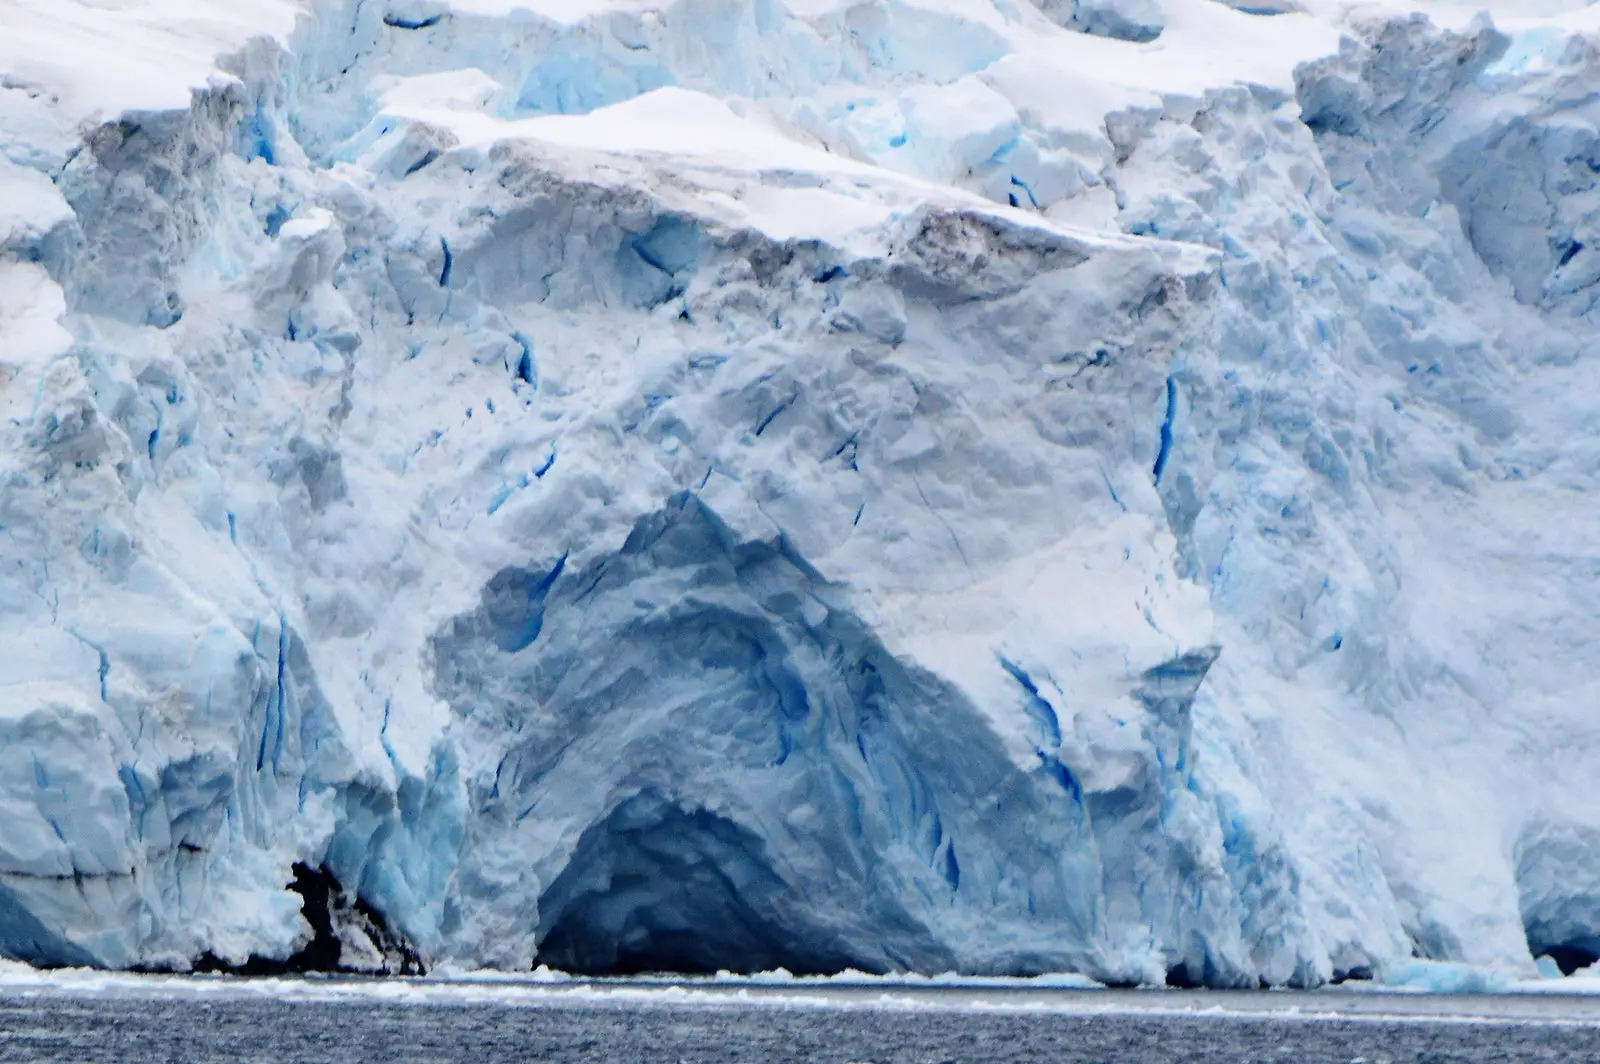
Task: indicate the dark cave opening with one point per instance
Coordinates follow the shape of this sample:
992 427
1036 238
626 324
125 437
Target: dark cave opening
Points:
1360 973
1558 888
317 889
1570 957
1179 978
324 903
657 888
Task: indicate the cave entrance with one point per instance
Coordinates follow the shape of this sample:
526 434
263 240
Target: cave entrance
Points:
1570 956
657 888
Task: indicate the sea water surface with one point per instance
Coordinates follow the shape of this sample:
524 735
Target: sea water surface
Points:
127 1019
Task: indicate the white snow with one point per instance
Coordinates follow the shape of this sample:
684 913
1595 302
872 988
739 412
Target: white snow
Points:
763 484
71 62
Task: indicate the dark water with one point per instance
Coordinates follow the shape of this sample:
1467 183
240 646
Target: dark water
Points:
775 1028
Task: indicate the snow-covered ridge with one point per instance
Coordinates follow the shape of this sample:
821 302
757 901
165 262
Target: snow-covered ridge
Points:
927 485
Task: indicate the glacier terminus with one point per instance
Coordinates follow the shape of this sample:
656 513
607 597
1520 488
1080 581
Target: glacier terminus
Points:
982 486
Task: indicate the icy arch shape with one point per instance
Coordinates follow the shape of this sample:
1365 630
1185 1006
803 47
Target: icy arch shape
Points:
657 888
746 778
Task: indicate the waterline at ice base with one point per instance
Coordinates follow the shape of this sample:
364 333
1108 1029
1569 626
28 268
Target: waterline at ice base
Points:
993 487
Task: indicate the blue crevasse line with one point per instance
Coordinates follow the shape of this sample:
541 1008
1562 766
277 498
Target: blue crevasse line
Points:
526 371
773 416
499 770
449 264
261 146
1004 150
1061 774
105 660
399 23
851 444
1113 490
671 246
1045 715
155 433
594 581
283 677
428 157
503 494
383 736
138 801
273 729
275 219
1166 429
1038 708
105 672
1033 201
522 629
261 747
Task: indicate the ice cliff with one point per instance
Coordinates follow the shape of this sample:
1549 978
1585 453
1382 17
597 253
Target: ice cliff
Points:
1095 485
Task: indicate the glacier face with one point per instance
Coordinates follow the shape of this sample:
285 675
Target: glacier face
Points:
897 484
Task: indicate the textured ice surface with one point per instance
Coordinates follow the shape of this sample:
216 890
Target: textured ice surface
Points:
919 485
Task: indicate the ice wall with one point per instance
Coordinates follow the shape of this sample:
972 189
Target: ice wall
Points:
897 485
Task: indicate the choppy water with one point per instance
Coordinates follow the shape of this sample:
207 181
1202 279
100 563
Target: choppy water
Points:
129 1022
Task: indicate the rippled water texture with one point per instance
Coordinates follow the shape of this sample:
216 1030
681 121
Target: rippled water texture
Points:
215 1021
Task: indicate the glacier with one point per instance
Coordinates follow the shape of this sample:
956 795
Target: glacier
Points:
983 486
